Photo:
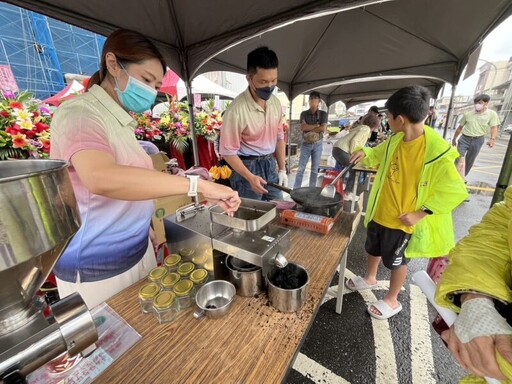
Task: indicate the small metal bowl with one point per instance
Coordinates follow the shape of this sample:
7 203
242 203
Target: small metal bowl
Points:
214 299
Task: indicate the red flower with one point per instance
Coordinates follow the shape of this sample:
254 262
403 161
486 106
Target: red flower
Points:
35 114
19 141
16 104
41 127
5 114
14 130
30 133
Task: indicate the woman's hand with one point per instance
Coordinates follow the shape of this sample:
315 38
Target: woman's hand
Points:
357 156
225 197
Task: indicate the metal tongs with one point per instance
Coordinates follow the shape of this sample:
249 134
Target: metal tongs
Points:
330 190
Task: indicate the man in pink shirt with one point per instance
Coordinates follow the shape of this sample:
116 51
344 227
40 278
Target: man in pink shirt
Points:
252 138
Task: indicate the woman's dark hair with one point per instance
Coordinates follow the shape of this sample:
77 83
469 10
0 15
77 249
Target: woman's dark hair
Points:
411 102
262 57
371 120
129 47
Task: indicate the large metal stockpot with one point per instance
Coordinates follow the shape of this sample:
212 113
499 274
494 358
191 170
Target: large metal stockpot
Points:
246 277
287 287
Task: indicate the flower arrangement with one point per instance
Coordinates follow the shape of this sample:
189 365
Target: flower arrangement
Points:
24 127
174 124
146 130
208 121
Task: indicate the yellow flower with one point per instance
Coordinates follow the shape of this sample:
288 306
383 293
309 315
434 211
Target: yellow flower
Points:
26 124
165 119
22 114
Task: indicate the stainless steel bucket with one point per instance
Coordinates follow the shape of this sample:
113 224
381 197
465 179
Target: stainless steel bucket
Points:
283 295
247 278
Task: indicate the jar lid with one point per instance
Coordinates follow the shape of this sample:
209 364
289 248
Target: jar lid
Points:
186 268
164 300
186 252
183 288
201 259
170 279
209 266
149 291
172 260
157 273
198 275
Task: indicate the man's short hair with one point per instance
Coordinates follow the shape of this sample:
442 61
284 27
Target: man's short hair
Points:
482 97
314 95
374 109
411 102
262 57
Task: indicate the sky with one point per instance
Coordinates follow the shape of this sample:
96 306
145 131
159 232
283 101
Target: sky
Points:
497 46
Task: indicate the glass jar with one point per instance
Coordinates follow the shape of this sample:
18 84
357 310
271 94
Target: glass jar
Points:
187 253
157 274
172 262
165 307
199 277
147 293
185 293
209 267
200 260
185 269
169 281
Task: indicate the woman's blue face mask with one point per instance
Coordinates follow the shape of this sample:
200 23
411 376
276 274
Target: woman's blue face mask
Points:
137 96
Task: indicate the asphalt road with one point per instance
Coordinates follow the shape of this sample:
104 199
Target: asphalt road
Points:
355 348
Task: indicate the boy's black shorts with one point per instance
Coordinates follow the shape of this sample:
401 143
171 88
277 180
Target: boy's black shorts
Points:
388 243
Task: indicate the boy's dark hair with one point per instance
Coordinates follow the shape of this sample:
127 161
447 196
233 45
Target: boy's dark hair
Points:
262 57
314 95
411 102
482 97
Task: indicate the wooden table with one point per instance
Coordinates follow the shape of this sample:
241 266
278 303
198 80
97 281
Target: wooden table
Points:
254 343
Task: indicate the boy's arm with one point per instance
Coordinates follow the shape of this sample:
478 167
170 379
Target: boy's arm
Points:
374 156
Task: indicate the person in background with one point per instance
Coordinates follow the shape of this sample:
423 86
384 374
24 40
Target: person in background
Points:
313 124
344 147
409 211
112 176
431 117
473 126
252 139
477 284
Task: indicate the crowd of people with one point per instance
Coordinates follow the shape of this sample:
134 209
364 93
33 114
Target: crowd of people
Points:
409 211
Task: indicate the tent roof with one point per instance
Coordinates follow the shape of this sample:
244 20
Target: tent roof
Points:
204 86
357 91
187 32
353 38
402 37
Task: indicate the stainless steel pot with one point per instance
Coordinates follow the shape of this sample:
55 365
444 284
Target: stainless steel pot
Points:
246 277
288 294
214 299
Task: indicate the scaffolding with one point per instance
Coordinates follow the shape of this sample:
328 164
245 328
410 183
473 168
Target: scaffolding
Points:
41 50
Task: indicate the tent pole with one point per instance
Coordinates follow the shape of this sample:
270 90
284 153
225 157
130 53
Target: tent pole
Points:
190 99
449 113
289 139
504 178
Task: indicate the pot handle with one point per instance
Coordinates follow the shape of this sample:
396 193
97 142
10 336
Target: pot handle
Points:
198 313
278 186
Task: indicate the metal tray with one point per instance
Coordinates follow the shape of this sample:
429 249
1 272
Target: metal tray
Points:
251 216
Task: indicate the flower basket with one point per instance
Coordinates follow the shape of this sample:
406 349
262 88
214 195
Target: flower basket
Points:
24 127
174 125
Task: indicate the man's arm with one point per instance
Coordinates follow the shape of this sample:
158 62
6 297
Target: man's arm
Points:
456 134
239 167
280 155
494 134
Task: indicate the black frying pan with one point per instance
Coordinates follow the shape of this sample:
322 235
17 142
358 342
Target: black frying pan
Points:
310 197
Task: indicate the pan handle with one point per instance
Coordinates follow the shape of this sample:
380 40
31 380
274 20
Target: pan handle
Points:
340 175
278 186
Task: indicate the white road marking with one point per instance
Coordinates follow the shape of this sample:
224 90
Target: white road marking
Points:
422 360
312 370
